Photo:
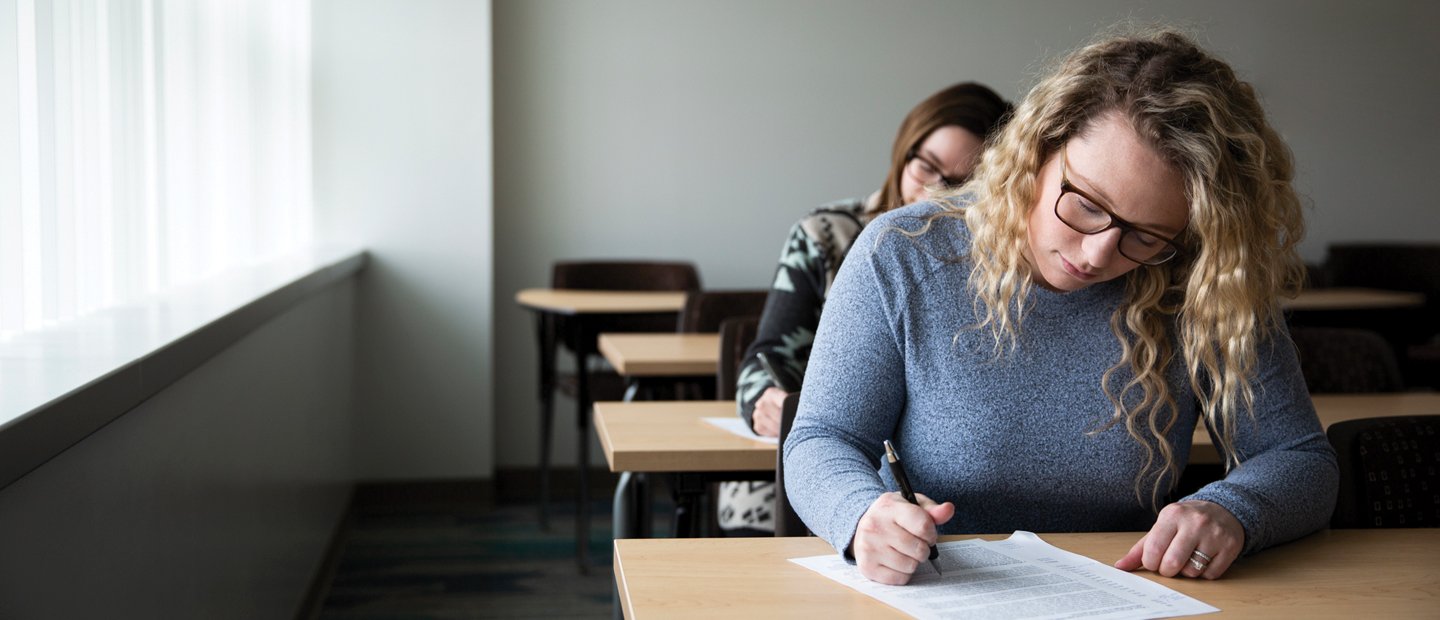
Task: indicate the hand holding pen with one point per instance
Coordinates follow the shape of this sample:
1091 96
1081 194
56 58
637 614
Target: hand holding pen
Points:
893 539
898 470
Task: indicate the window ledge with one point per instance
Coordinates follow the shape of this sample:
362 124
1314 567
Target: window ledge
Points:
60 384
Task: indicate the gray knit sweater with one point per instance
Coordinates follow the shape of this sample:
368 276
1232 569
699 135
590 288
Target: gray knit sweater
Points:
1006 440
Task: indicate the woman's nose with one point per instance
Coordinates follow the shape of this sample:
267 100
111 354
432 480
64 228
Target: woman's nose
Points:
1102 248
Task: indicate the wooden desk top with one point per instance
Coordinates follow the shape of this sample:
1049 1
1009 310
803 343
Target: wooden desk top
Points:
662 355
1332 408
671 436
1352 299
565 301
1330 574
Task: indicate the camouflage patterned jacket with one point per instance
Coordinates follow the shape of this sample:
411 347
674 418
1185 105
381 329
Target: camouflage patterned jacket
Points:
813 252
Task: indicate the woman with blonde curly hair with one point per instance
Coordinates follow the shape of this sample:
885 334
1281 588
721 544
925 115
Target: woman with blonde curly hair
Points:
1042 345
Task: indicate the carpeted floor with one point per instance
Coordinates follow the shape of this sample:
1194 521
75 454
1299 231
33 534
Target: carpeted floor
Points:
454 562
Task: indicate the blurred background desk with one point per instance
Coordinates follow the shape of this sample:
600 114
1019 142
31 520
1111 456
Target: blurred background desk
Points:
1332 408
1352 299
672 437
1408 321
657 357
583 311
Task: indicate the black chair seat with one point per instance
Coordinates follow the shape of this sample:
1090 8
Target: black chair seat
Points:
736 334
605 385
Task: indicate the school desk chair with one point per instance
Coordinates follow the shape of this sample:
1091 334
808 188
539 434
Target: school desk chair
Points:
1415 335
1389 472
1337 360
787 522
736 334
705 312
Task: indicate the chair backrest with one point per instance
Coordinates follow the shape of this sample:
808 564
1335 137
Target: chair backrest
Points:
1315 276
1394 266
705 310
736 334
787 522
1389 472
1341 360
623 276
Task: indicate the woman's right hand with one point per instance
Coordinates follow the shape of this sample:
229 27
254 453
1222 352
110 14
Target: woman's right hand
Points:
766 417
894 536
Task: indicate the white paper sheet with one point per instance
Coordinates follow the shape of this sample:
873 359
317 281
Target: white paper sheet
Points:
737 425
1019 577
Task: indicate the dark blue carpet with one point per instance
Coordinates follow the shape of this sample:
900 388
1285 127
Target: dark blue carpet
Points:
456 562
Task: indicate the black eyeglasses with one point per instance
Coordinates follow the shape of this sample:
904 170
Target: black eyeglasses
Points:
927 171
1085 215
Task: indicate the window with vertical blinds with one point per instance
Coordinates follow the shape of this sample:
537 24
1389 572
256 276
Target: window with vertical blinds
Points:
144 145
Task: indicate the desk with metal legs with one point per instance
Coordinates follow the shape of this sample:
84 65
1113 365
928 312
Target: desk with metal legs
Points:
671 437
652 359
641 356
581 307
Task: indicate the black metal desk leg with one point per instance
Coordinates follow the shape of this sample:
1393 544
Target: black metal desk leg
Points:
688 491
545 335
582 422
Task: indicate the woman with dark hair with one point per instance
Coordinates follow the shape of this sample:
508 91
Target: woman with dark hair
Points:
938 145
1043 346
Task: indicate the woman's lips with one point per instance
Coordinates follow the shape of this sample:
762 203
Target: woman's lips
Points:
1073 271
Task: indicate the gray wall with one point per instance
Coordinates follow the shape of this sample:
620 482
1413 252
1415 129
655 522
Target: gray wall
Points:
215 498
701 129
402 165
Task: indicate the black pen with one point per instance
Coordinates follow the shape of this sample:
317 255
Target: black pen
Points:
770 370
897 470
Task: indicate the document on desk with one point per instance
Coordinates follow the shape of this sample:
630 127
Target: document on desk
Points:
1019 577
738 426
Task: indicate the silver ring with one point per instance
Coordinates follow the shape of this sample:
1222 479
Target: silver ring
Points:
1199 559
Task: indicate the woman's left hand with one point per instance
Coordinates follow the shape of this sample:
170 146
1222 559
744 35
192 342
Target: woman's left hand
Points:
1184 535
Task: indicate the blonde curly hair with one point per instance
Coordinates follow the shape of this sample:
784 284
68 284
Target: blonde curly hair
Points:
1220 295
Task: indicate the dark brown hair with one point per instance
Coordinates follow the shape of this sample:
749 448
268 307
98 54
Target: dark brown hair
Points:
969 105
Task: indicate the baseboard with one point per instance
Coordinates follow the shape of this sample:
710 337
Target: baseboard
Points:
401 495
314 601
510 484
522 484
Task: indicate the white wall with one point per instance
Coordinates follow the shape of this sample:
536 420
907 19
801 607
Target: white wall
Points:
215 498
402 149
701 129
